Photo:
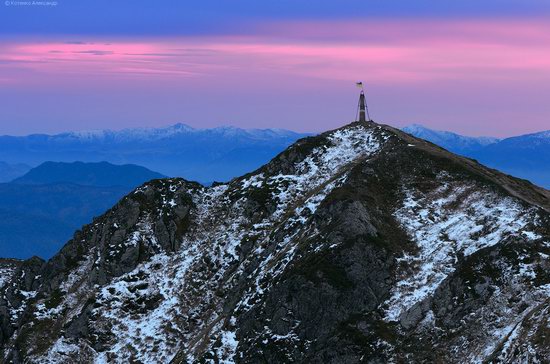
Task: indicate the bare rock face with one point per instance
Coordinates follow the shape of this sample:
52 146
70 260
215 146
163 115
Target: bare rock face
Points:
360 245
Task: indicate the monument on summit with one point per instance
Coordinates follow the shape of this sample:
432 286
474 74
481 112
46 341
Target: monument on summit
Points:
362 107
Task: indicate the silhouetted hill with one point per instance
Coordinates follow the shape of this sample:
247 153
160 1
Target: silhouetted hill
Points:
41 210
89 174
38 219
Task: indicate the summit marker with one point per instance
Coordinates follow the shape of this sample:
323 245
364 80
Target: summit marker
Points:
362 107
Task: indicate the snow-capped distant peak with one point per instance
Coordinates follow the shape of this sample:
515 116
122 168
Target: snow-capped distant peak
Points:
87 134
417 129
540 135
450 140
172 131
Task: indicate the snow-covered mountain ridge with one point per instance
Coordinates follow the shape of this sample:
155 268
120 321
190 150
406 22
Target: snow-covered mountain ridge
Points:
455 142
362 244
141 134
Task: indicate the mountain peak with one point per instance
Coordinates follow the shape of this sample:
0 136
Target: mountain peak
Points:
361 243
415 127
181 127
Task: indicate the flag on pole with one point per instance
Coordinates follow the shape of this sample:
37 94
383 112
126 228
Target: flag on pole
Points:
359 84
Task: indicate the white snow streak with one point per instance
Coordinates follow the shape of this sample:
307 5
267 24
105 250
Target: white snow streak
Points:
443 225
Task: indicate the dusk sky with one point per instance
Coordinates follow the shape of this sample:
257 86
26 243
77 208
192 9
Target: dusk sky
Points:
475 67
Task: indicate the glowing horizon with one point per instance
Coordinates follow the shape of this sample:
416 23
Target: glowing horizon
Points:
473 76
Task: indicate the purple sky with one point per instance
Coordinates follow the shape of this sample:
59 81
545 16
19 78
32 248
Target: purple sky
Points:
472 70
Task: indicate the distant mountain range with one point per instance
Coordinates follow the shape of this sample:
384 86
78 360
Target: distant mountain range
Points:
449 140
525 156
41 210
204 155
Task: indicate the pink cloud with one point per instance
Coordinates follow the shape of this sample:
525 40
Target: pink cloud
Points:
395 52
423 71
86 58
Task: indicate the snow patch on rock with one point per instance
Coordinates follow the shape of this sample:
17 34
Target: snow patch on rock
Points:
454 219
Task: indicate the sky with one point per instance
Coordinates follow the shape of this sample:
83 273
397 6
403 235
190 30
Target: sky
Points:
476 67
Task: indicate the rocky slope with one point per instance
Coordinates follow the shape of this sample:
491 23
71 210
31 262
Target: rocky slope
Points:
360 245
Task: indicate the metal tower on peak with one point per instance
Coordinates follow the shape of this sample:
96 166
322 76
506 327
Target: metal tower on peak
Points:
362 108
